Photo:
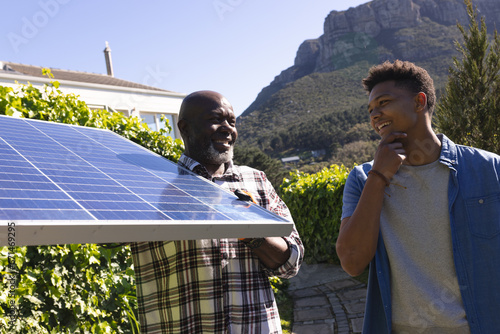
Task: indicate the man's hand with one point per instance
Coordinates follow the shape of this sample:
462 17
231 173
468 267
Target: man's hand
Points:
390 154
358 235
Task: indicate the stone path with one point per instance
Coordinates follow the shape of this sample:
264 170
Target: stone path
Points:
326 300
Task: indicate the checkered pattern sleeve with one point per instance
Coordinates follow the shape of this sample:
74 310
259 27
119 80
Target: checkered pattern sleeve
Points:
256 182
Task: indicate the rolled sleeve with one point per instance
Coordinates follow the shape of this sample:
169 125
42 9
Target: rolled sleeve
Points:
291 267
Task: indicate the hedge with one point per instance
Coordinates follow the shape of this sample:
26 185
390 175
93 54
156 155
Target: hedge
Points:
315 201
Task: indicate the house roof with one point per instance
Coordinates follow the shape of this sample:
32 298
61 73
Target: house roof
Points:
102 79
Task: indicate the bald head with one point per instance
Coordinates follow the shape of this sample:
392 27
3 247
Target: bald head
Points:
197 102
208 127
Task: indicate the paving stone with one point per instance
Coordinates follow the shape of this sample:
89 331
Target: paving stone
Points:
355 307
314 329
312 301
336 304
352 294
324 289
327 302
305 292
337 285
337 308
342 321
357 325
312 314
343 330
332 296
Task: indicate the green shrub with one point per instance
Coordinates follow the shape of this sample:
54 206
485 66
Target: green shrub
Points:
315 201
68 289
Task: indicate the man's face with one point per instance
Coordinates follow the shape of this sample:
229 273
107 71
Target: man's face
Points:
392 108
212 133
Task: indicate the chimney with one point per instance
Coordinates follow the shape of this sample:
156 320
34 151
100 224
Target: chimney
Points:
109 64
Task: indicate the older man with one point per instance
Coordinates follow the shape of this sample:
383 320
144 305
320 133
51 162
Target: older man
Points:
215 285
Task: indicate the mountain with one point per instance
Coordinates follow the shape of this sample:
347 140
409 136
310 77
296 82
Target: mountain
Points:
318 104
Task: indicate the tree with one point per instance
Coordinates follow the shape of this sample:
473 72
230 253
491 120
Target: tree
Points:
356 152
469 111
254 157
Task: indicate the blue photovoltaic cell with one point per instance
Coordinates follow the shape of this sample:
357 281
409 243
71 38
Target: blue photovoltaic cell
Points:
51 171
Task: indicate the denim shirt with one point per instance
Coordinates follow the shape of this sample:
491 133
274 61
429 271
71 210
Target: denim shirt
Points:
474 206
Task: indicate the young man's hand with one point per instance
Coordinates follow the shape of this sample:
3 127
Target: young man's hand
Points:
390 154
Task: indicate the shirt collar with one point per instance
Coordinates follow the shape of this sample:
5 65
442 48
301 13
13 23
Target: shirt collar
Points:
187 162
448 151
199 169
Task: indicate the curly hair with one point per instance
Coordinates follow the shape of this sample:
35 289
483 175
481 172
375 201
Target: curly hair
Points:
406 75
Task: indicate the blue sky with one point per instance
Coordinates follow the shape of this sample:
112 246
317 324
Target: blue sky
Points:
235 47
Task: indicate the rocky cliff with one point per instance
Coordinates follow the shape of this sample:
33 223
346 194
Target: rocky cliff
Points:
366 32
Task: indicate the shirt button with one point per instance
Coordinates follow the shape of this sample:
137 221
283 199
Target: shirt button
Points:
481 201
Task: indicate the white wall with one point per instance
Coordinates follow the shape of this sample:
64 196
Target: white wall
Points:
124 99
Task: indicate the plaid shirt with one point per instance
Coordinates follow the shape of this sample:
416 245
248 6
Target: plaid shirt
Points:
213 285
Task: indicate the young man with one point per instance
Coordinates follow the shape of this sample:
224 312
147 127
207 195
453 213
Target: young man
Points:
425 214
219 285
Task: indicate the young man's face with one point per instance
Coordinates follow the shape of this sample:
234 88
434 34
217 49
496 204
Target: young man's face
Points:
213 134
392 108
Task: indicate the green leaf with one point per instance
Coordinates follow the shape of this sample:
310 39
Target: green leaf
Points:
33 300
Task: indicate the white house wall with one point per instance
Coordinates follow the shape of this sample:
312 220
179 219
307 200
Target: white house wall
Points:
119 98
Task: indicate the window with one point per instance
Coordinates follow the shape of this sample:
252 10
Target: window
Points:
150 120
154 121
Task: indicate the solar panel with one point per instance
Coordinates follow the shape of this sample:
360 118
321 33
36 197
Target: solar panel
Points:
63 184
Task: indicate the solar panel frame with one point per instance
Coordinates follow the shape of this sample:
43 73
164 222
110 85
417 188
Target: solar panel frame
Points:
62 183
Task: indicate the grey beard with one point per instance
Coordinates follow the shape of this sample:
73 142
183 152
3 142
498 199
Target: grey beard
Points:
210 155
